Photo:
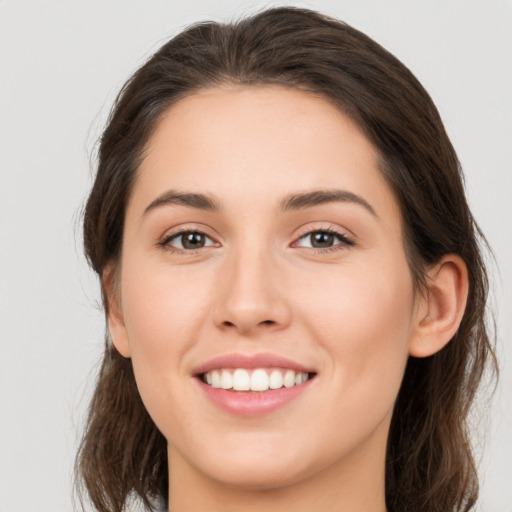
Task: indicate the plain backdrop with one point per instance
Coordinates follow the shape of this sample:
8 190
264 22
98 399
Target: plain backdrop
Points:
61 64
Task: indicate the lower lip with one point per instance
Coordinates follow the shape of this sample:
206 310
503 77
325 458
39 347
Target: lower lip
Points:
257 403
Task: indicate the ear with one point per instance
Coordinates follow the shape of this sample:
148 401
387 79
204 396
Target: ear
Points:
113 310
441 309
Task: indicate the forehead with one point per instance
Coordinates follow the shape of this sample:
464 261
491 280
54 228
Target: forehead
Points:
252 145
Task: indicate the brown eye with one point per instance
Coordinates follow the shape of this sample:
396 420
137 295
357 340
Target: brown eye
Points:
323 239
193 240
189 240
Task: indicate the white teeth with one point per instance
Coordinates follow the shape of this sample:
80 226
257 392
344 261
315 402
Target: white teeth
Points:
289 379
226 380
215 379
276 380
300 378
259 379
241 380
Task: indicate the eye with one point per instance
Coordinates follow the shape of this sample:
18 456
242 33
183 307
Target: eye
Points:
188 240
324 239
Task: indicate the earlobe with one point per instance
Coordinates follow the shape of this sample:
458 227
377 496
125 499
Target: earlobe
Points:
443 306
113 311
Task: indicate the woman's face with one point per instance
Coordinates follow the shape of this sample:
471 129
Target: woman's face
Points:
260 234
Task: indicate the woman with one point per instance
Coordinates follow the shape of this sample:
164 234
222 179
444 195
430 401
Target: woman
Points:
292 280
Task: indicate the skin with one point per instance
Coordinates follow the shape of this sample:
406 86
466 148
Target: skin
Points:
350 311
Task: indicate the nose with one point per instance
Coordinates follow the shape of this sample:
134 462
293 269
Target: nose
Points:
252 295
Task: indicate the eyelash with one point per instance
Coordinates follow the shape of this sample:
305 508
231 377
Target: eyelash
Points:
344 241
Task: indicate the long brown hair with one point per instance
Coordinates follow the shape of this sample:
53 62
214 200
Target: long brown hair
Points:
430 465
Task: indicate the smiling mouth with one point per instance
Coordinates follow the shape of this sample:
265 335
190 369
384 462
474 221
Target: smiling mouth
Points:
255 380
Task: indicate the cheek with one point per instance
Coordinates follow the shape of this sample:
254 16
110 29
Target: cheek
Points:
363 321
162 309
164 313
357 300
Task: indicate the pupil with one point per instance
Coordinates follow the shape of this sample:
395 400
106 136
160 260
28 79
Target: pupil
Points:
322 240
193 240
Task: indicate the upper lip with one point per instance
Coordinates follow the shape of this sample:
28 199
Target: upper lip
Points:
250 361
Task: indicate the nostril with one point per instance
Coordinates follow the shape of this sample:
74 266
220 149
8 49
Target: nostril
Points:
227 323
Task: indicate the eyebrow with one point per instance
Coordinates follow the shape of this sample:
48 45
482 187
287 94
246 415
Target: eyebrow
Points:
303 200
190 199
297 201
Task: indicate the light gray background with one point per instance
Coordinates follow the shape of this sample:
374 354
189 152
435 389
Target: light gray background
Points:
61 63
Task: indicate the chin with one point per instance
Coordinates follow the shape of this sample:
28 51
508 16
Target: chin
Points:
260 466
267 477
